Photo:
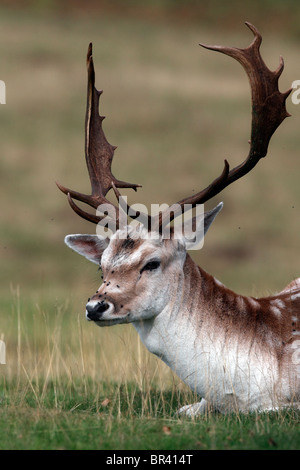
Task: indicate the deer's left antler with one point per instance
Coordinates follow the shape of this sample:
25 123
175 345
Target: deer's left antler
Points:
268 112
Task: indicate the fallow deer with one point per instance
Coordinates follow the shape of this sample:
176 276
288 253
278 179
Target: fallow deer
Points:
234 351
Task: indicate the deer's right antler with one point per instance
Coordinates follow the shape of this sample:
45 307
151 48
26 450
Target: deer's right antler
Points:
99 155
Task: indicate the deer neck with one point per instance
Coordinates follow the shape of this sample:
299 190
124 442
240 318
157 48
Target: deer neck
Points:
188 319
206 338
191 305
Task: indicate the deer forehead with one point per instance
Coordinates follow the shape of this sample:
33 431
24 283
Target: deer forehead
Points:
131 247
125 253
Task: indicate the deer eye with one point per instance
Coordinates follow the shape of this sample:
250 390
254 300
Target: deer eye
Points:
151 266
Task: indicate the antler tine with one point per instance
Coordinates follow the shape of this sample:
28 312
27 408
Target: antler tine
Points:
85 215
268 112
99 155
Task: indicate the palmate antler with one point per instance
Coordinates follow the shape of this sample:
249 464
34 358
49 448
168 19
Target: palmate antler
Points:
99 155
268 112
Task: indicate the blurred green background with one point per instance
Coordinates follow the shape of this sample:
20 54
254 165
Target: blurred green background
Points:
174 110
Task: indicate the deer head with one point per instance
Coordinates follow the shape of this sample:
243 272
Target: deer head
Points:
141 271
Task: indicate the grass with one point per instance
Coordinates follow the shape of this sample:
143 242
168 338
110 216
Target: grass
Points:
175 111
126 418
66 387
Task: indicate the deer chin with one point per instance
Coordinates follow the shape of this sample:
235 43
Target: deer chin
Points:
112 321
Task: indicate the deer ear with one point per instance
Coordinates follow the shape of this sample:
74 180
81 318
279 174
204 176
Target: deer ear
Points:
89 246
210 216
200 225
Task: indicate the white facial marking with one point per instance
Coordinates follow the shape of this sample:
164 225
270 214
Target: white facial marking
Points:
129 257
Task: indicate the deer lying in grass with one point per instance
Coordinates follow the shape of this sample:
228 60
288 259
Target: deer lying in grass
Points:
236 352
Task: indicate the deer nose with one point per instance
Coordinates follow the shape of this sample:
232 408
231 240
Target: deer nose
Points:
94 309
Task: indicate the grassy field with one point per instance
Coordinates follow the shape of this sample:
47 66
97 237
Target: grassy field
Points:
175 112
136 420
69 387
